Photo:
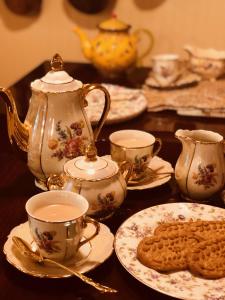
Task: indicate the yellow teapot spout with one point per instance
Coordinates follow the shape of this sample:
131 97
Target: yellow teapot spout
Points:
17 131
86 44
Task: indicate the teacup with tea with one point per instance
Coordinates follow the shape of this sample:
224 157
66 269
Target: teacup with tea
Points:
57 220
136 147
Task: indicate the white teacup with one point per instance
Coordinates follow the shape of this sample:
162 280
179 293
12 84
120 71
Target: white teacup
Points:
166 68
57 220
136 147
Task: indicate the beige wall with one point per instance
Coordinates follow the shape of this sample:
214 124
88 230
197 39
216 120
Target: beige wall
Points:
26 41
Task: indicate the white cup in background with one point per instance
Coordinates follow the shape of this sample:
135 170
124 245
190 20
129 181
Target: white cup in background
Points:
166 68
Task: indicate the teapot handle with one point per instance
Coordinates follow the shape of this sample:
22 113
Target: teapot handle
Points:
90 87
150 46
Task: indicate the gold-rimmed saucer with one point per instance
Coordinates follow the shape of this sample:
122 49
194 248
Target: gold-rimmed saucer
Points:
162 170
89 257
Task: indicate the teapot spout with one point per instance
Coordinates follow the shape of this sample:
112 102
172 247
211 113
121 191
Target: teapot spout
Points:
17 131
85 43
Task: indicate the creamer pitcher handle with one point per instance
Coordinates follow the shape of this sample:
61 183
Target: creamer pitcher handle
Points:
150 46
90 87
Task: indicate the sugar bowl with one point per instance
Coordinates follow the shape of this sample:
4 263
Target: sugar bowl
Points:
208 63
99 179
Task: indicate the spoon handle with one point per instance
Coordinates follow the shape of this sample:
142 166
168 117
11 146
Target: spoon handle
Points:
98 286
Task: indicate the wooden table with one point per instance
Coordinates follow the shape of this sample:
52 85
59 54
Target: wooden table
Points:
17 185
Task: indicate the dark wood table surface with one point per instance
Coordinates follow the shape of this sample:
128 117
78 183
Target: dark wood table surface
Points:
17 185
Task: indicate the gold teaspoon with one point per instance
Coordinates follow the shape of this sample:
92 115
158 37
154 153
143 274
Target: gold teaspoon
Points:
26 251
149 178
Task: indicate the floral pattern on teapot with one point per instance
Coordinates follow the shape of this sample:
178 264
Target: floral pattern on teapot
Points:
70 143
105 205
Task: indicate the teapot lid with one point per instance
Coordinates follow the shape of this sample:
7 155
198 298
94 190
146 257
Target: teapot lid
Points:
113 24
90 167
56 80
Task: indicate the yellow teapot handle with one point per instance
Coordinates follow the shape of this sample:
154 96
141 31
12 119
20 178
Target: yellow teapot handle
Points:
150 46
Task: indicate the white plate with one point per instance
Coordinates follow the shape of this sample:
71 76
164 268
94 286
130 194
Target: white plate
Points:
183 284
126 104
159 166
89 257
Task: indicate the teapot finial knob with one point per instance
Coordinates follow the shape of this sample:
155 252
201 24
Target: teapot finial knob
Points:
91 152
57 63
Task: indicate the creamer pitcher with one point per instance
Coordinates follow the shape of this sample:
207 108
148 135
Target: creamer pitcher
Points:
200 168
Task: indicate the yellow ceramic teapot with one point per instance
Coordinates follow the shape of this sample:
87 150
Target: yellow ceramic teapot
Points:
114 49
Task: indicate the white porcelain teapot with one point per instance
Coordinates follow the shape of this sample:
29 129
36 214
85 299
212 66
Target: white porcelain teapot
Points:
98 179
56 127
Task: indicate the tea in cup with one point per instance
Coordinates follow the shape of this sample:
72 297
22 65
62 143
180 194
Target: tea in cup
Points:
136 147
166 69
57 220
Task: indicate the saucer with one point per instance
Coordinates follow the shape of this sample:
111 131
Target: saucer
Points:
186 79
88 257
158 165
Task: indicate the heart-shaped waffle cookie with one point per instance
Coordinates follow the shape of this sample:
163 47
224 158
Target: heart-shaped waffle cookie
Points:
207 258
166 253
173 227
205 229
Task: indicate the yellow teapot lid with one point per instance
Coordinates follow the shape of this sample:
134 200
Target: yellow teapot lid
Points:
113 24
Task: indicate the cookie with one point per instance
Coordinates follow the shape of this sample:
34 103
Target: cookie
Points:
204 229
174 227
207 259
166 253
207 229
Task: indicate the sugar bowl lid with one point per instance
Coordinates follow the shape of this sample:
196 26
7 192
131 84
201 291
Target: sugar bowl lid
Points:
90 167
56 80
113 24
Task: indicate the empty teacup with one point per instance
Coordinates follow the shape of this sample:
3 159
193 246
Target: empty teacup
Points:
136 147
166 68
57 220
